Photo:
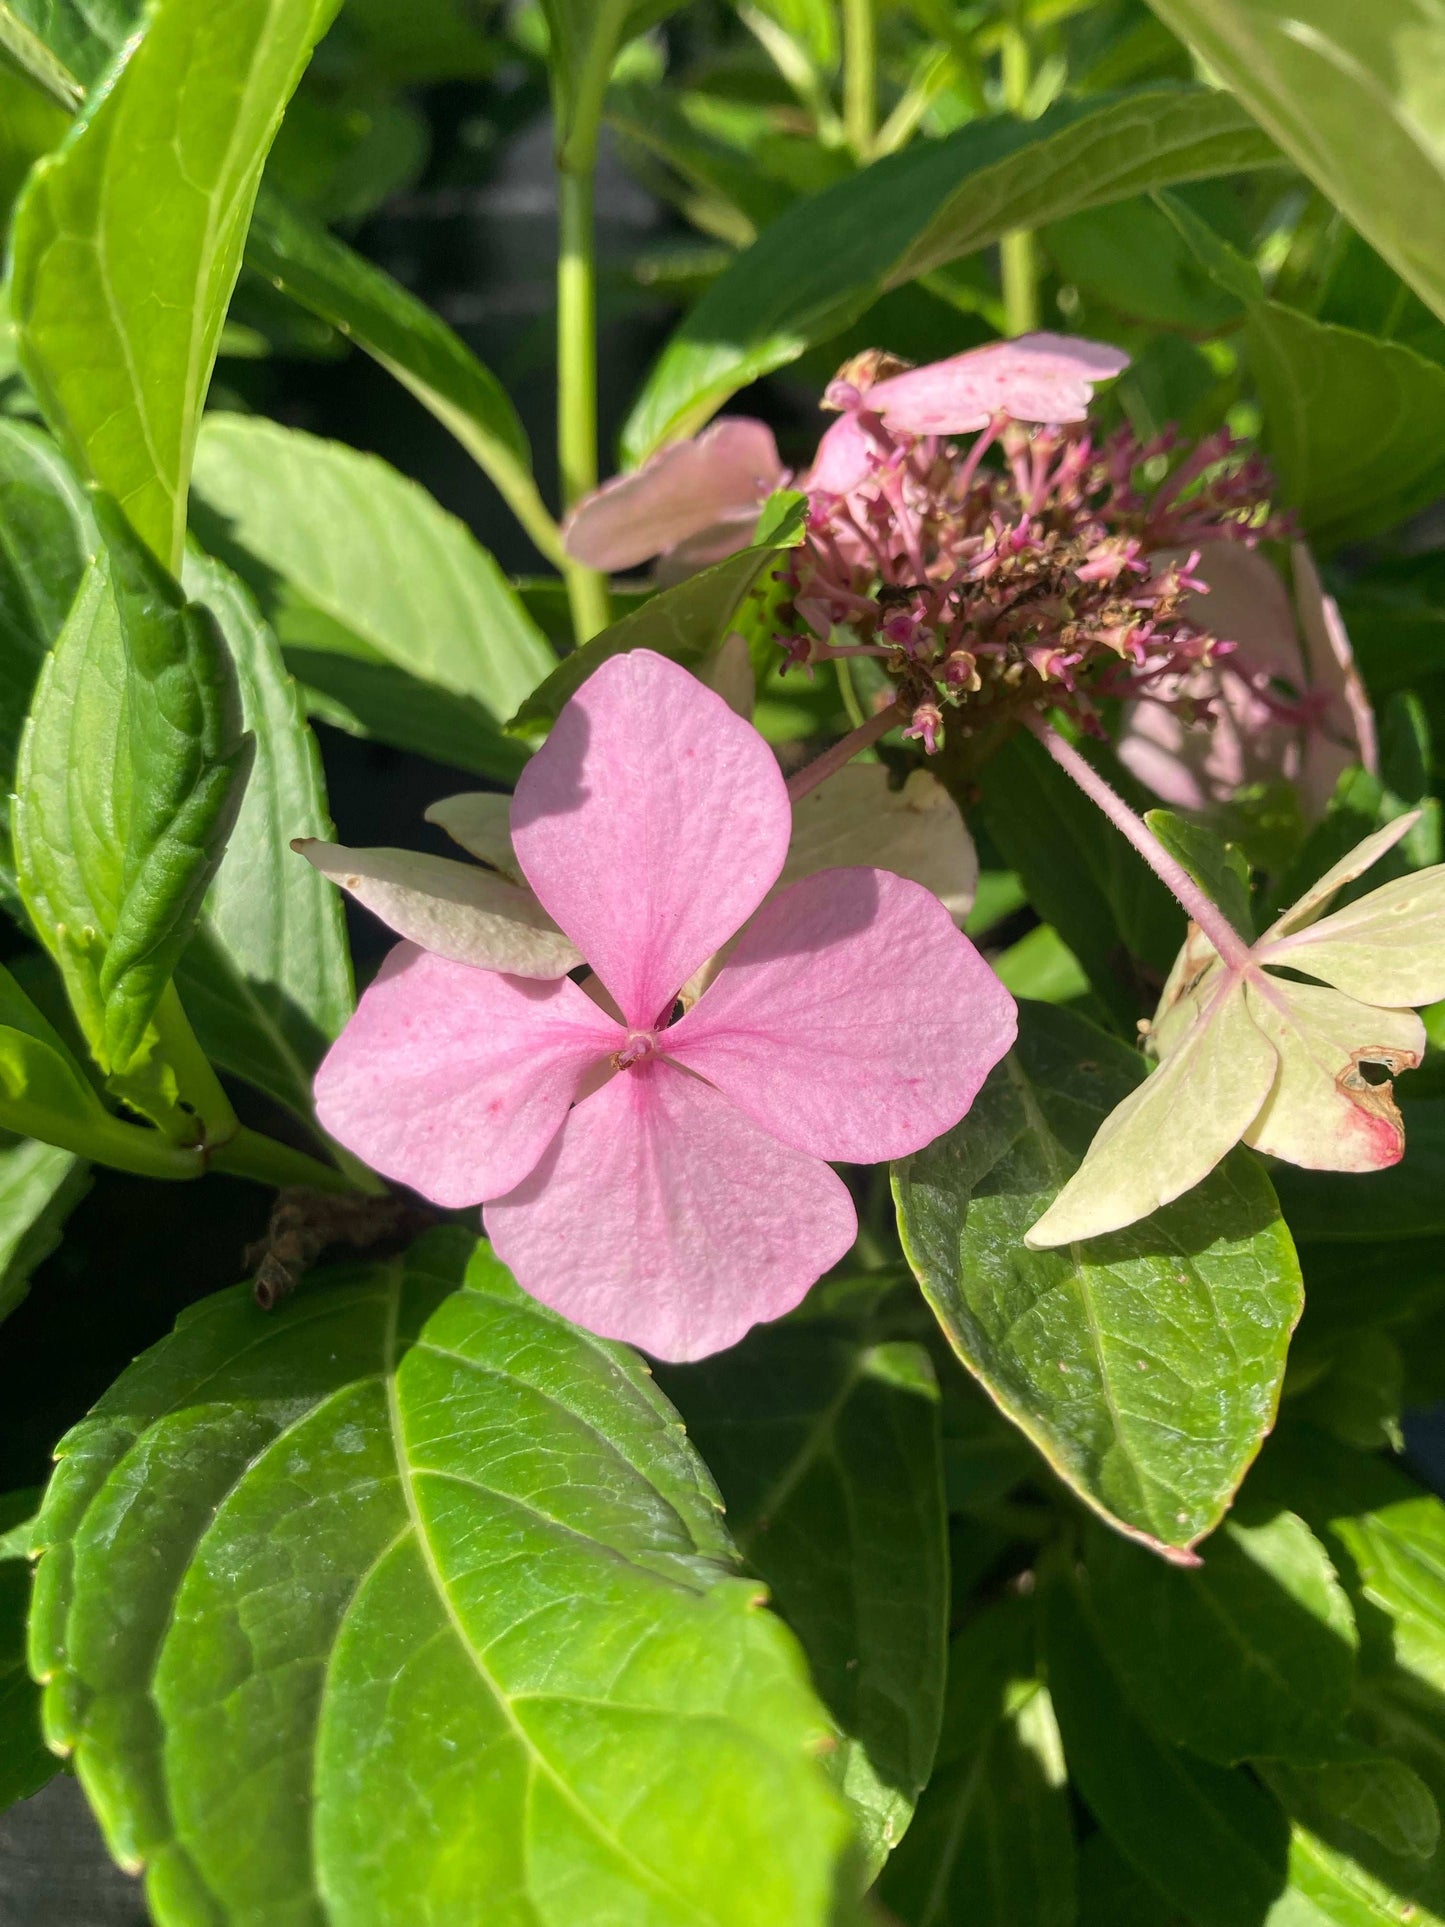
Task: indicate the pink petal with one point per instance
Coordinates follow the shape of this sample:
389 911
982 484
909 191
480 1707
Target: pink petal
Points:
651 824
663 1216
1348 735
683 489
842 461
712 544
1037 378
454 1080
853 1020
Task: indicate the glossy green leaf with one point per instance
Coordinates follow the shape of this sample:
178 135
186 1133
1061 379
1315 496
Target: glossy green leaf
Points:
827 1453
410 341
1146 1365
1208 1837
993 1842
267 982
1351 94
39 1186
128 241
47 534
686 623
822 265
307 520
129 778
1251 1654
410 1593
26 1763
1111 912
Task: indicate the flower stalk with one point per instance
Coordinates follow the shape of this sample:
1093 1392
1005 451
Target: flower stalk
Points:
860 76
845 749
1232 948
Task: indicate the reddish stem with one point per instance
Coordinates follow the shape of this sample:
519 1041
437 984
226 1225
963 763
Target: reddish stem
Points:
844 750
1232 948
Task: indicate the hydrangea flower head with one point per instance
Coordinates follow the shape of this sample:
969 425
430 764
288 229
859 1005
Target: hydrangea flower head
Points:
668 1182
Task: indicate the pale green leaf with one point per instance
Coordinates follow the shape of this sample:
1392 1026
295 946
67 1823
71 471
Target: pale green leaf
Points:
128 240
409 1595
310 520
1145 1366
823 264
1352 94
27 52
410 341
267 981
84 35
827 1452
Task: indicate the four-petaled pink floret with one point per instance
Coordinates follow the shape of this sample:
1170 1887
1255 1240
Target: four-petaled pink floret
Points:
668 1182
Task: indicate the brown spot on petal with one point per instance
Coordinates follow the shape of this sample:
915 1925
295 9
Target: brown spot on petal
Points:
1374 1098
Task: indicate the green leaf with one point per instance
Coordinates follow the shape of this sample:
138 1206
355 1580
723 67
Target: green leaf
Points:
1212 1842
1349 93
1145 1365
47 534
1221 869
1041 965
267 983
585 37
1405 1201
1113 1894
301 519
823 264
1129 257
685 623
1370 1794
411 1593
26 1763
374 701
1353 424
1083 878
410 341
1355 427
30 125
827 1452
130 776
45 1094
1250 1655
83 35
24 49
128 241
993 1841
39 1186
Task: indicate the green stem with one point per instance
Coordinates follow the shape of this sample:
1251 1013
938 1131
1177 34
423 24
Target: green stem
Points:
248 1154
198 1084
860 76
1018 252
577 370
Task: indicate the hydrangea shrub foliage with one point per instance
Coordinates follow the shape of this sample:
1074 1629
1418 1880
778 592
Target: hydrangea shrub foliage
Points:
836 1332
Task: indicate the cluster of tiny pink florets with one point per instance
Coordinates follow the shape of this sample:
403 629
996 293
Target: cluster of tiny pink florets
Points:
1039 567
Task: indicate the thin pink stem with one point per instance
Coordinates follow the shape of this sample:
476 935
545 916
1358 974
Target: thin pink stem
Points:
1202 908
844 750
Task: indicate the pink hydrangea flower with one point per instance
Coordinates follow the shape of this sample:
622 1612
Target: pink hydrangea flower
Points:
665 1182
